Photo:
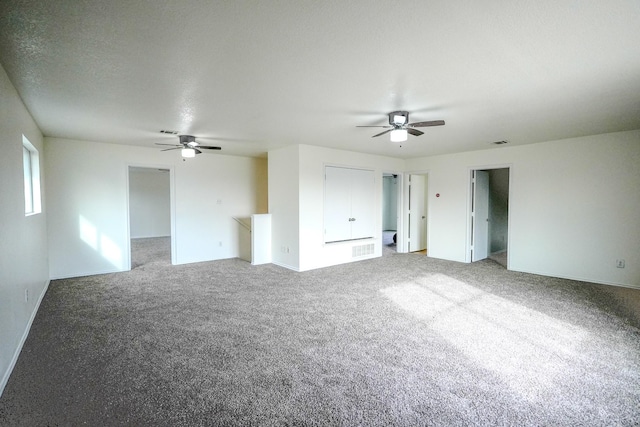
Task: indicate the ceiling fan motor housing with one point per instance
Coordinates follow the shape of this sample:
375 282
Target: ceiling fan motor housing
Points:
186 139
398 118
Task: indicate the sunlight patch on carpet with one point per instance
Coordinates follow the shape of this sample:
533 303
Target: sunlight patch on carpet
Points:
528 350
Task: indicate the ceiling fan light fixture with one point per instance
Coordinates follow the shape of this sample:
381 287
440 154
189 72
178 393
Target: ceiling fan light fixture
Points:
188 153
398 135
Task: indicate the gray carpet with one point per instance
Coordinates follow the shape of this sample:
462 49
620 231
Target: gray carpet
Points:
156 250
400 340
500 258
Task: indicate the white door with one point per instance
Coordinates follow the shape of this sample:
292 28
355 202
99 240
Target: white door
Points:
349 204
337 200
480 215
362 204
417 213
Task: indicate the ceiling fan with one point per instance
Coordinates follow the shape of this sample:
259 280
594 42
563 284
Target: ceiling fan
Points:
399 126
189 146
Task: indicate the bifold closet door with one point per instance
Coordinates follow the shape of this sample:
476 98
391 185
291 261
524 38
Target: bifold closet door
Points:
362 204
349 204
337 202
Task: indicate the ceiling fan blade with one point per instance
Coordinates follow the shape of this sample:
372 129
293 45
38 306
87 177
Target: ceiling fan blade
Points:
373 126
196 150
425 124
209 147
382 133
415 132
169 149
171 145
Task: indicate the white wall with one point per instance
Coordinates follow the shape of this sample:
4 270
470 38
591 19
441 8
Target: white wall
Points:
296 188
23 240
314 253
574 206
88 228
284 206
149 202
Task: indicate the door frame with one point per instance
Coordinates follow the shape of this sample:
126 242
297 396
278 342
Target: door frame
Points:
172 208
468 243
480 198
399 206
402 244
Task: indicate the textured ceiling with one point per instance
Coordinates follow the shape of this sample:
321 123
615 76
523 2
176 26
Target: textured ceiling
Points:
256 75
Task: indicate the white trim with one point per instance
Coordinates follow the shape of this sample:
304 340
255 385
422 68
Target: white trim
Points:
34 177
287 266
88 273
127 266
345 166
580 279
470 170
402 238
399 208
23 339
172 208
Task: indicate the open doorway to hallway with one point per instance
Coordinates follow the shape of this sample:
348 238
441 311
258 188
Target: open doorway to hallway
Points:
149 216
390 197
489 215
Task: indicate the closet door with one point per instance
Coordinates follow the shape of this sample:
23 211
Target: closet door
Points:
362 204
349 204
337 204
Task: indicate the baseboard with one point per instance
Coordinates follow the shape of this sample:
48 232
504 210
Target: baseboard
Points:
85 274
581 279
288 267
23 339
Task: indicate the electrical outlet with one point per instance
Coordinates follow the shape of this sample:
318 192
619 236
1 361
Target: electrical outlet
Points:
26 295
620 263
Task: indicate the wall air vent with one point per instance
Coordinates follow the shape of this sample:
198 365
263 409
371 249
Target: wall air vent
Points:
362 250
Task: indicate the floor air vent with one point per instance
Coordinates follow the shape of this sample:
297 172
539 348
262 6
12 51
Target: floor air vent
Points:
362 250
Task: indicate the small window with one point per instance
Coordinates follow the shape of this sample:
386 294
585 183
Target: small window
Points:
31 168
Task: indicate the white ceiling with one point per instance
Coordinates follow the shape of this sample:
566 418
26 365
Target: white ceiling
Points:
256 75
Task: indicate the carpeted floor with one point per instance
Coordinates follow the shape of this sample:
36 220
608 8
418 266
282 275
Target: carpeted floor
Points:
388 245
399 340
156 250
500 258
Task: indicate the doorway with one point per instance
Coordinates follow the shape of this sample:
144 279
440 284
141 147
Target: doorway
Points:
149 191
417 213
390 203
489 215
